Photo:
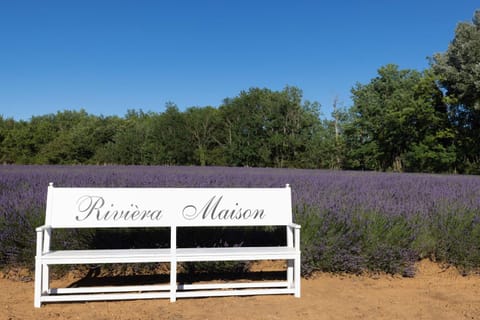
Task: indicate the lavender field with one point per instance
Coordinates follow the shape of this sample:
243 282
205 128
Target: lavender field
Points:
351 221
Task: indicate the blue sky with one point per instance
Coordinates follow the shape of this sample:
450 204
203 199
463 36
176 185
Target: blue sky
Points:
110 56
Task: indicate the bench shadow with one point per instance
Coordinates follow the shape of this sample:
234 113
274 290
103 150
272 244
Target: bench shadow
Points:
94 280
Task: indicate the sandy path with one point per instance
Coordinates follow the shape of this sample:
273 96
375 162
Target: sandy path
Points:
432 294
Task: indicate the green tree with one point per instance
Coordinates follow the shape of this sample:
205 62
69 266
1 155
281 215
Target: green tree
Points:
328 145
127 143
19 145
130 139
103 132
433 148
245 118
268 128
202 124
458 70
72 137
10 142
173 136
293 124
396 118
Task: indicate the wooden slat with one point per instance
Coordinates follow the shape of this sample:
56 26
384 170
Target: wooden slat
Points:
180 287
234 285
237 253
226 293
107 256
110 289
104 297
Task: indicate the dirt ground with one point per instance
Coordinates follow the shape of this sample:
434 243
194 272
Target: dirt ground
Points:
434 293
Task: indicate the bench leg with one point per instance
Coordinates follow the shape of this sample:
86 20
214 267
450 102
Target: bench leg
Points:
38 284
290 275
45 279
297 277
173 281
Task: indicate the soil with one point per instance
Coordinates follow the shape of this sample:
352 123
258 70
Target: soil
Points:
434 293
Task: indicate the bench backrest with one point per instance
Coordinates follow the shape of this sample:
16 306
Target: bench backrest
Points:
163 207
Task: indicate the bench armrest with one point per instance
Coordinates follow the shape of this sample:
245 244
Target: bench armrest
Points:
43 239
293 235
43 228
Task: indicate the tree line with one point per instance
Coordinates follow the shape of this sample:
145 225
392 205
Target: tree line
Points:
402 120
259 127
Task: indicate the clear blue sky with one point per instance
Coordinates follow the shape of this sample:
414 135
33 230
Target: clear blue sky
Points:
110 56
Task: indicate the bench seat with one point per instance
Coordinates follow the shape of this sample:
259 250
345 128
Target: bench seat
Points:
107 256
165 255
235 254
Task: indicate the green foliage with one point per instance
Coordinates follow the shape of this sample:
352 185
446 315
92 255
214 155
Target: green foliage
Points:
203 125
21 245
356 242
458 66
259 127
399 123
386 243
457 238
458 70
266 128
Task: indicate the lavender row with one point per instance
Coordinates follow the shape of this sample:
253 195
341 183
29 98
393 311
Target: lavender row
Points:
337 191
341 210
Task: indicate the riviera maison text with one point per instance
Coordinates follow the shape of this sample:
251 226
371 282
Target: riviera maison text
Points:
97 208
94 205
213 210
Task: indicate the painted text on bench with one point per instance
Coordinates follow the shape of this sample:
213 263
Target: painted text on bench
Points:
96 207
213 210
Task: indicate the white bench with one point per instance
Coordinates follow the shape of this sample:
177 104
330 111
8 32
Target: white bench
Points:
173 208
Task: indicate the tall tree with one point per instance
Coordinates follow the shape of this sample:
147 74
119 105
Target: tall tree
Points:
458 70
293 123
268 128
71 137
128 143
175 137
245 119
202 124
396 111
16 145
